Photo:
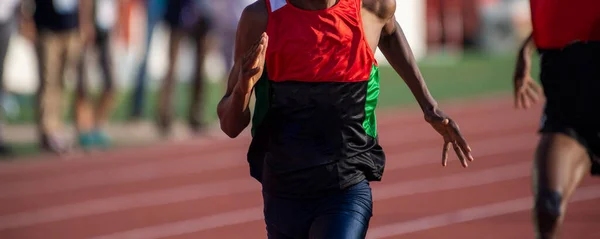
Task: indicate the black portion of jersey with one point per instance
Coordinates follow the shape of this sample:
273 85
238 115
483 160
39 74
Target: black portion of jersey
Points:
311 140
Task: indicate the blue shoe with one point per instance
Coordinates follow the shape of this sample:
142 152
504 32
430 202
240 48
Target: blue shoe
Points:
101 139
86 140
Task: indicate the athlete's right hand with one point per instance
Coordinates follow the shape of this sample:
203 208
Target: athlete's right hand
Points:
252 65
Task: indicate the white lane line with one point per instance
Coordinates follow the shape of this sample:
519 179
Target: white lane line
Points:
126 202
456 181
41 163
470 214
487 147
228 159
423 132
129 174
190 226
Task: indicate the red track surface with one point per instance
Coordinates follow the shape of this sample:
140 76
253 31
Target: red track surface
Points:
201 188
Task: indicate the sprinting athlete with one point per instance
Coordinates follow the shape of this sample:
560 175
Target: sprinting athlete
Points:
311 66
567 36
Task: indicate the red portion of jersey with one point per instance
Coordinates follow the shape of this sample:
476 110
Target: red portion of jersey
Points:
557 23
317 46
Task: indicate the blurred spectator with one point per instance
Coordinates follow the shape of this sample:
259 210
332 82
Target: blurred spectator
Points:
105 12
451 25
59 30
191 19
444 26
226 17
504 24
8 21
155 12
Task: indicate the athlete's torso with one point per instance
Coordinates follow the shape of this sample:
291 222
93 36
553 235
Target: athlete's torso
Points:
314 122
557 23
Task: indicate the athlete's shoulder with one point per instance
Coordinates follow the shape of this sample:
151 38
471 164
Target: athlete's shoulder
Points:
383 9
256 9
254 17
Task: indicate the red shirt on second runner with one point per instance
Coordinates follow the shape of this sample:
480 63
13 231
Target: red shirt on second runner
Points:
557 23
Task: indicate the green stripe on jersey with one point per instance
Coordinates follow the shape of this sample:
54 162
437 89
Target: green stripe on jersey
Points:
262 104
370 123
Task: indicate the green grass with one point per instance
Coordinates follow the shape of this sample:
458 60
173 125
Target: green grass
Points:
474 75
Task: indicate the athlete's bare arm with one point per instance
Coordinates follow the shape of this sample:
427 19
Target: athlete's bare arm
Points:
250 47
381 28
527 91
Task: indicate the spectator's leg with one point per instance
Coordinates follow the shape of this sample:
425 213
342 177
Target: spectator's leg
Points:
106 102
84 114
452 25
434 26
139 91
165 114
106 64
197 96
50 48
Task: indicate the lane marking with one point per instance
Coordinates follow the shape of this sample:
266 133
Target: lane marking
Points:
190 226
454 181
126 202
129 174
470 214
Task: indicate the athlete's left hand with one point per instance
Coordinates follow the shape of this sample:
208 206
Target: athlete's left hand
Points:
446 127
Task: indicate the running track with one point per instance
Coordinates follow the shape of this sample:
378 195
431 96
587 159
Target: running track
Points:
201 188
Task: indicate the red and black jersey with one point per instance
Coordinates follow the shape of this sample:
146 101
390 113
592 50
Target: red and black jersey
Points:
314 127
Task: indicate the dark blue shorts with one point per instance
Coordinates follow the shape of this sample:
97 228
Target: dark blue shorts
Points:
343 215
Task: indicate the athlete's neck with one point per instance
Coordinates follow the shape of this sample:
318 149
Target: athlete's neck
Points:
313 4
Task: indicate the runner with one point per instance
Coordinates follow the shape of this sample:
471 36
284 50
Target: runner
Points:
315 143
567 36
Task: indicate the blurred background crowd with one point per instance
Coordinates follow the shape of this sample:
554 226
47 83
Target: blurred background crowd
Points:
102 73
